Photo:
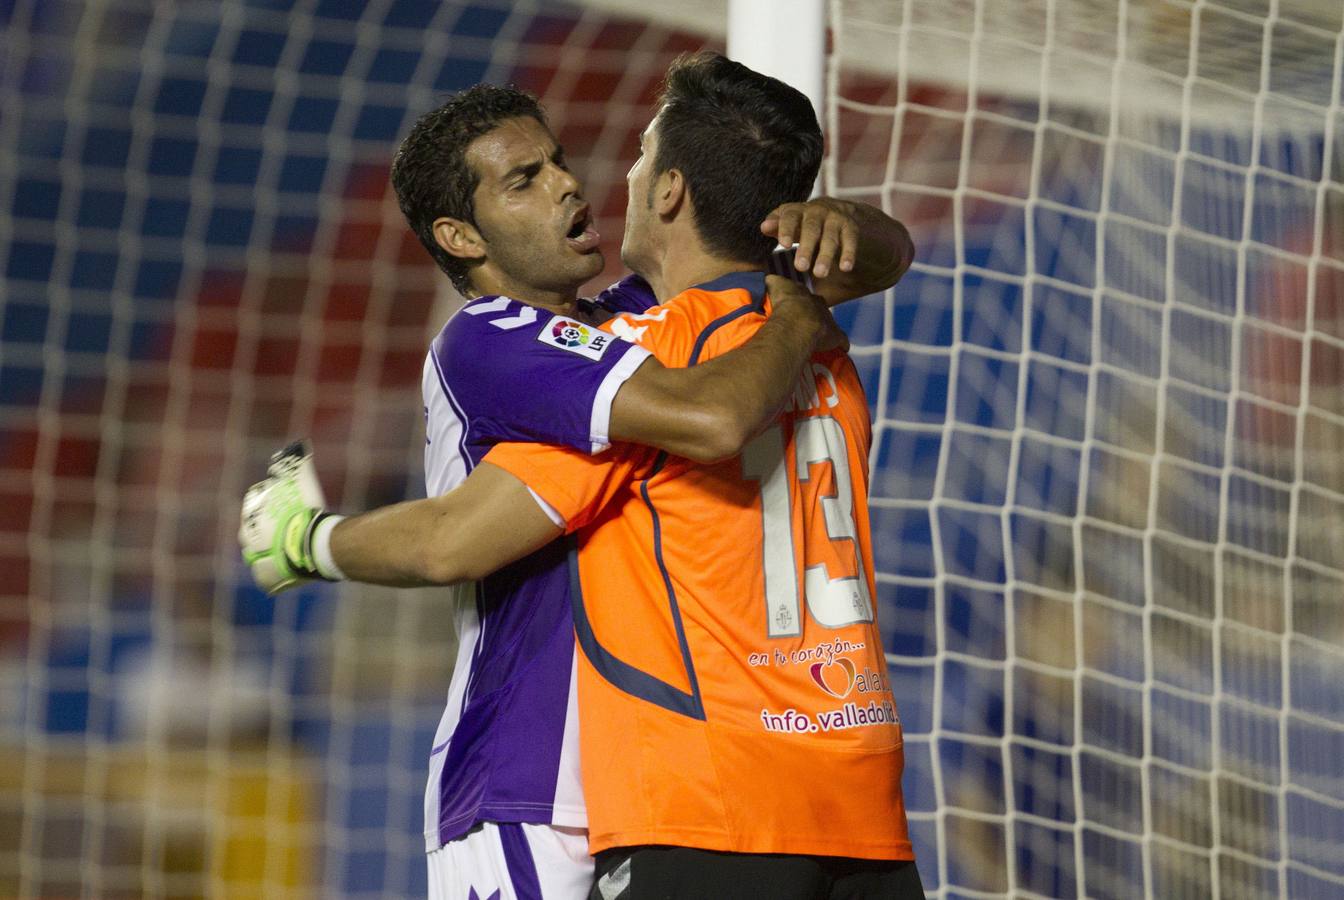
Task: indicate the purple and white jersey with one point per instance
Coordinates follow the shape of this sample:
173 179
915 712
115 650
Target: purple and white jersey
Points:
506 749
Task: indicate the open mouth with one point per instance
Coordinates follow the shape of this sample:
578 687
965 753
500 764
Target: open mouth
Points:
581 234
579 227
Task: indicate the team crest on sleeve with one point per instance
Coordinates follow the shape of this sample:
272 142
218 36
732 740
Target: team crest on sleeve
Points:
576 337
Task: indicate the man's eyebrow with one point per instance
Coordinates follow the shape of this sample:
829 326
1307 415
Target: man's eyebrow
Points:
529 169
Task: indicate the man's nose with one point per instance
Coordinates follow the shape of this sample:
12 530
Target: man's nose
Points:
565 182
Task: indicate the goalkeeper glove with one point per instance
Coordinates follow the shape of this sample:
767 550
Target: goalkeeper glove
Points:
285 533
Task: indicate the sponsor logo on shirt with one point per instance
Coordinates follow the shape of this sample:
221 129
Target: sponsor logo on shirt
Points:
851 715
840 673
576 337
840 677
835 675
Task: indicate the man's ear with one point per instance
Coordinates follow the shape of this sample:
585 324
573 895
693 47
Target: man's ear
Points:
458 238
670 193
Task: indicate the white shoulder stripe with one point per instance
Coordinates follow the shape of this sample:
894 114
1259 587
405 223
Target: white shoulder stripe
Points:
499 304
527 316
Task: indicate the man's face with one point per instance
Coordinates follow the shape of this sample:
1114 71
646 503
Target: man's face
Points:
639 214
530 210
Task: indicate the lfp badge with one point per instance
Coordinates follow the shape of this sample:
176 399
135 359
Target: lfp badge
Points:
576 337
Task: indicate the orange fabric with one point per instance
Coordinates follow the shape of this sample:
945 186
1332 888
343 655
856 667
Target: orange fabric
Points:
792 747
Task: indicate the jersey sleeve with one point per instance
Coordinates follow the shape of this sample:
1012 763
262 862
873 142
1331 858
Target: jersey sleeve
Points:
519 373
575 485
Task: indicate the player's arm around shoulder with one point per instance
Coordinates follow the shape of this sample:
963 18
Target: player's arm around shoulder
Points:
850 249
709 411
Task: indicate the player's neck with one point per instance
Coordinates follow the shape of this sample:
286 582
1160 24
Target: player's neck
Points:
684 266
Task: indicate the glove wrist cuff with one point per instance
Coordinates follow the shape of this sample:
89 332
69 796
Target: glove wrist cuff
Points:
320 546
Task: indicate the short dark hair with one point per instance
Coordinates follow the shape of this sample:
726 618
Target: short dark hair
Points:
430 172
746 143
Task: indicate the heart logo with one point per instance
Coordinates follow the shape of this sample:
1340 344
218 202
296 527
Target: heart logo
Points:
829 679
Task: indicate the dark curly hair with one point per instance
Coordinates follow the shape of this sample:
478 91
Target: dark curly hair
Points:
746 143
430 172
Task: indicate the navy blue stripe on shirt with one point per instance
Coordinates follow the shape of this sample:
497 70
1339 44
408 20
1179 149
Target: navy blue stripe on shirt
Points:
671 591
622 675
751 282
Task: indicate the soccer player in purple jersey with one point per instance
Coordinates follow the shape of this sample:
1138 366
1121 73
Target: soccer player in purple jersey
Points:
485 186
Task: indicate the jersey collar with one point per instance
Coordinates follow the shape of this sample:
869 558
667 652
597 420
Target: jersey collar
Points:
751 282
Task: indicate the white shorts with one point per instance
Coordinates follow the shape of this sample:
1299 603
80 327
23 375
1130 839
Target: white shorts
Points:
510 861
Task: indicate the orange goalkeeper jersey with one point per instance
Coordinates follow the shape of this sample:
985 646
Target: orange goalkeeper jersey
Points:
733 691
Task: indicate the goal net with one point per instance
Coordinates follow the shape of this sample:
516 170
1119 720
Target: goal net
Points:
1108 477
1108 469
202 260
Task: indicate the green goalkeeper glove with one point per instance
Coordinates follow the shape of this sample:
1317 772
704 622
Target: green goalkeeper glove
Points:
284 529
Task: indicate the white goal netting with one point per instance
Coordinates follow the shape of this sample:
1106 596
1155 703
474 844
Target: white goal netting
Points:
202 260
1109 471
1108 485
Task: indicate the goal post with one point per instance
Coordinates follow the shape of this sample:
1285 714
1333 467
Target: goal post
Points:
785 39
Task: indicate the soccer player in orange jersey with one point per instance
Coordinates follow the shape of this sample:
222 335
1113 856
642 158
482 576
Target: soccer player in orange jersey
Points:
738 733
739 738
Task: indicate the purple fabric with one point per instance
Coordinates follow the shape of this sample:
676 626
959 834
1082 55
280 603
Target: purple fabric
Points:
522 868
516 379
504 755
509 375
631 294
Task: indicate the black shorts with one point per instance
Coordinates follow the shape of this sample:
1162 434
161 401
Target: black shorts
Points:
684 873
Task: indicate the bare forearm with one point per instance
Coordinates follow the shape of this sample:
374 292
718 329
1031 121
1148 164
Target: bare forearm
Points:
394 545
884 253
487 522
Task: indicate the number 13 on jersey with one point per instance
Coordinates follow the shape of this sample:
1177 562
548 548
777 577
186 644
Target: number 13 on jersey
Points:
835 584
